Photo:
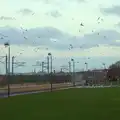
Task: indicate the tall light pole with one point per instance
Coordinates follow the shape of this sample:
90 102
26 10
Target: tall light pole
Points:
73 71
86 66
48 66
50 55
42 66
69 67
8 45
6 64
13 57
105 72
86 71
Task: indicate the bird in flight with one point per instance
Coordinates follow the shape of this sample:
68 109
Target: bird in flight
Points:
25 37
98 18
71 46
81 24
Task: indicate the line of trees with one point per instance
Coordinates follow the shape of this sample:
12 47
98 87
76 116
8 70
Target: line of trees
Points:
113 72
38 79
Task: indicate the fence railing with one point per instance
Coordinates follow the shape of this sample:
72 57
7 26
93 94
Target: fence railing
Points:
30 83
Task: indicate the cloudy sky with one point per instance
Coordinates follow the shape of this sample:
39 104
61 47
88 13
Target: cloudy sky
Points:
86 30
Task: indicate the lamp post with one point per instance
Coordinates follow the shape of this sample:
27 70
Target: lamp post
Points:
69 67
86 66
8 71
13 58
48 64
50 56
42 66
73 71
86 71
6 62
105 81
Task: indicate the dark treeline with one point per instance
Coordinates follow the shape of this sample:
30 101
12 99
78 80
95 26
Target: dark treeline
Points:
38 79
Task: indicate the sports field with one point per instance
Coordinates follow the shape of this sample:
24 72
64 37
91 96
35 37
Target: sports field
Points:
71 104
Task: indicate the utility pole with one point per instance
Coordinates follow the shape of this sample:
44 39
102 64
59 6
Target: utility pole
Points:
42 66
73 71
69 67
50 55
8 70
12 65
51 63
105 72
48 64
6 64
86 65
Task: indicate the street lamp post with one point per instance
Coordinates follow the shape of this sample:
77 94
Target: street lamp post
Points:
69 67
6 62
8 71
48 64
42 66
86 71
104 65
50 56
86 65
73 71
12 65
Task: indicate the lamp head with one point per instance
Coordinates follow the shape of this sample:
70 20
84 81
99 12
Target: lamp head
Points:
49 54
72 59
6 44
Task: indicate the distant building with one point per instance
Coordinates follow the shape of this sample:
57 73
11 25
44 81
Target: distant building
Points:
90 77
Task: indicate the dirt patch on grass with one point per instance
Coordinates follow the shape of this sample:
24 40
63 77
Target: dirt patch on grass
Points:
32 87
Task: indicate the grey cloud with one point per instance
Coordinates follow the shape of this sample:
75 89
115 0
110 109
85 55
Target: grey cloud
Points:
6 18
113 10
35 37
54 13
25 11
46 36
93 39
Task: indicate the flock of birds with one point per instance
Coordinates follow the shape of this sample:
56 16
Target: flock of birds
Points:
70 46
2 36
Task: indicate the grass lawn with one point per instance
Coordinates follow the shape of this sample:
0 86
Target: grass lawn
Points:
72 104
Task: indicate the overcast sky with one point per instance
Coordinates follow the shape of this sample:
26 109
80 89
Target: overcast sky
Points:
86 30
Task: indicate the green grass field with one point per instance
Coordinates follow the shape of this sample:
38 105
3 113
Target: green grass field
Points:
72 104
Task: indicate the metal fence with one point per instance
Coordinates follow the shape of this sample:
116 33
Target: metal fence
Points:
17 84
30 83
